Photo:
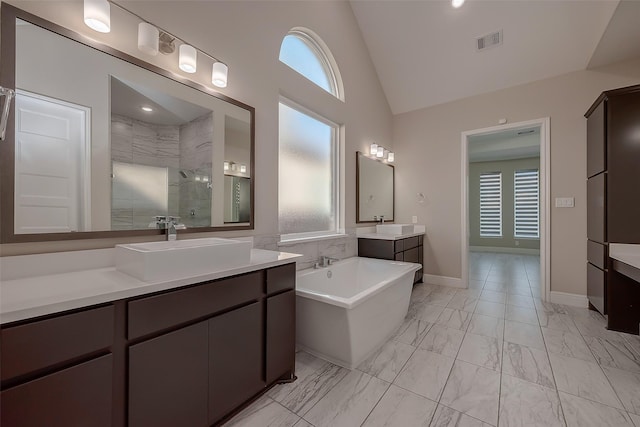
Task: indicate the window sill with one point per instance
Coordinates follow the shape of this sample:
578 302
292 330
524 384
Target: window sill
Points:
311 239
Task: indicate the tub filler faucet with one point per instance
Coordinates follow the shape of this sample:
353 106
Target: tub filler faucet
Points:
325 261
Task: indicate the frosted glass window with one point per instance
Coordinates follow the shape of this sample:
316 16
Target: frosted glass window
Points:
300 52
307 195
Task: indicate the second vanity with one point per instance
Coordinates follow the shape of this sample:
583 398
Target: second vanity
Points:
624 288
125 352
394 244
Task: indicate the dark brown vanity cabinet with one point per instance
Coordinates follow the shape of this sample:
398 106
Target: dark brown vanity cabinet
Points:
613 176
191 356
58 371
409 249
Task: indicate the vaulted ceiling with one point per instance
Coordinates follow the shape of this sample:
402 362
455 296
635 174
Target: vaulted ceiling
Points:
424 51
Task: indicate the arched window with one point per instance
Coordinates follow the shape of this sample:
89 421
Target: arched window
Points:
307 54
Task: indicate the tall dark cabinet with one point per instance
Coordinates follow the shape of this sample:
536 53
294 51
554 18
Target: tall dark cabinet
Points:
613 184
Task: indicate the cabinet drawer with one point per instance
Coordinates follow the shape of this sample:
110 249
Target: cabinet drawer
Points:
597 287
374 248
596 208
597 254
412 255
281 278
411 242
75 397
399 256
45 343
399 245
163 311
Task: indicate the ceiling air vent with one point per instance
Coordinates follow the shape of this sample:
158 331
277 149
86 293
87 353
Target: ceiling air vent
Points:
489 40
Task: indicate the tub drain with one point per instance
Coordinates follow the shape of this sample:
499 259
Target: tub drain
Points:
329 274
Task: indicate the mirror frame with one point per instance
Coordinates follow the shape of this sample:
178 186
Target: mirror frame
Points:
393 174
7 147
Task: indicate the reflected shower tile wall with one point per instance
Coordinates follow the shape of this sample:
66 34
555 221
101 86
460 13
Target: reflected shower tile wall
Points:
121 138
137 142
196 143
196 151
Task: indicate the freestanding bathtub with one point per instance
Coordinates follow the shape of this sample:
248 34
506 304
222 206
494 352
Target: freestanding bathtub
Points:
346 311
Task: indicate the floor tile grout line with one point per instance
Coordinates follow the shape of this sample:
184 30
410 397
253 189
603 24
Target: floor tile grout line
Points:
601 369
553 374
377 402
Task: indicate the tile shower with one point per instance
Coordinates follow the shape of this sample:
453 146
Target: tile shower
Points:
180 155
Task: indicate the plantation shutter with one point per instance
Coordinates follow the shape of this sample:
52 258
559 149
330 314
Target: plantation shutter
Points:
526 204
491 204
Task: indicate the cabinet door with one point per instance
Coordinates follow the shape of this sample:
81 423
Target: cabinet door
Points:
596 208
596 141
623 203
78 396
281 335
236 358
597 288
168 379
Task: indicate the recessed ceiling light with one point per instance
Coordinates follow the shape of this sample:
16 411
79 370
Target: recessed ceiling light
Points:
457 3
147 109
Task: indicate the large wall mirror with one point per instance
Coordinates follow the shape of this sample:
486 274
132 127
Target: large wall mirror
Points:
100 142
375 189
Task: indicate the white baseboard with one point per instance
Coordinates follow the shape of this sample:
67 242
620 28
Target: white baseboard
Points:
565 298
520 251
454 282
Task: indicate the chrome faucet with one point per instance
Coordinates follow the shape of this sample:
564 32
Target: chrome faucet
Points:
170 223
325 261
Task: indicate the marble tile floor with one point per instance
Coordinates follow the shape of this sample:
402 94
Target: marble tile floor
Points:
491 355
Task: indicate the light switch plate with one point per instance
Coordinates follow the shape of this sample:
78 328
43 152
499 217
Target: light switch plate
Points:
565 202
414 219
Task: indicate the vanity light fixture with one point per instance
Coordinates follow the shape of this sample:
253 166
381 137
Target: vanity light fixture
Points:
233 167
146 108
380 153
153 39
148 38
243 168
188 58
97 15
219 73
457 3
373 150
226 166
391 157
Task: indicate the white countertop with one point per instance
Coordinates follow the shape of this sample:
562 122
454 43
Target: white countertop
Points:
29 297
627 253
370 233
383 236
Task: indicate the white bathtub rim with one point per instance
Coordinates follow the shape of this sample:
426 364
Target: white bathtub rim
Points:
360 297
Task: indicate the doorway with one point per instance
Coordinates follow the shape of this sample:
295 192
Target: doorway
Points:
502 222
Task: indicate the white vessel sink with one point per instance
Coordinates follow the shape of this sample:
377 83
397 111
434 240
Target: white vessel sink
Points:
178 259
394 228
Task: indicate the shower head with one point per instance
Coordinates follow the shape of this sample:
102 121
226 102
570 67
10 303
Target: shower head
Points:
183 174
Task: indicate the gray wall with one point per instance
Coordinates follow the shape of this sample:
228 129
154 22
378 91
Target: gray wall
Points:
508 168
